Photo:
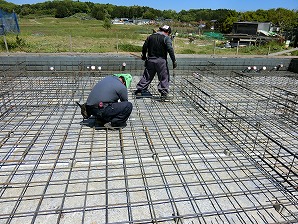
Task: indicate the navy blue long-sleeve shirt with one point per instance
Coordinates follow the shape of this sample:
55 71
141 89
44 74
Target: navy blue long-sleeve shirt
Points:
159 45
108 90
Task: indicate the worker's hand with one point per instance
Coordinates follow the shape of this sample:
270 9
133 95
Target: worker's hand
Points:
144 58
174 64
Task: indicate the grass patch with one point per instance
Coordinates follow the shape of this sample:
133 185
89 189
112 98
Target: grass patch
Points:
188 51
294 53
74 34
130 48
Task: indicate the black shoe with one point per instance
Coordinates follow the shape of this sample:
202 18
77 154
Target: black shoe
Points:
142 93
146 93
165 97
99 122
138 92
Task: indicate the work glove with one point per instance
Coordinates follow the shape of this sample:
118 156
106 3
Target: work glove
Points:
144 58
174 64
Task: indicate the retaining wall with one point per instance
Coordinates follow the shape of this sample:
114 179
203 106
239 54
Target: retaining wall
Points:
133 64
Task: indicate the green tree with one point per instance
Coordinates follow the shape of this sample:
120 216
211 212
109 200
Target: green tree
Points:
185 16
98 12
62 11
169 14
286 19
8 7
80 7
107 24
223 19
262 15
135 12
26 10
227 23
149 14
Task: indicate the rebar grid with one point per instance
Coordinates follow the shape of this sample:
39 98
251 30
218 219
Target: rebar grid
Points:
224 150
254 112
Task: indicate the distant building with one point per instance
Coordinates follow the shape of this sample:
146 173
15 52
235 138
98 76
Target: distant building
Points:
250 28
247 33
132 21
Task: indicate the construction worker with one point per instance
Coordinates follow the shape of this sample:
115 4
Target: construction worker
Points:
103 101
154 52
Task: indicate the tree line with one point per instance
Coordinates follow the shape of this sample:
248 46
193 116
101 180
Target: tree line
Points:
222 19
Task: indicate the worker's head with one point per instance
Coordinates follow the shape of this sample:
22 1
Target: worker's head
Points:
122 79
165 28
125 79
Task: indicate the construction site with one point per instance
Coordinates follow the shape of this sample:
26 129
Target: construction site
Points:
222 150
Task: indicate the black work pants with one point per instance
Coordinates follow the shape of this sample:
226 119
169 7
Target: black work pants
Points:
116 113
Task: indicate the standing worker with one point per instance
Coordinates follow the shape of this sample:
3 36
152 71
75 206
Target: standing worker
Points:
103 101
158 45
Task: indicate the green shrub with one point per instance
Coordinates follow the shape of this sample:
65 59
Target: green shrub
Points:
18 43
129 48
107 24
188 51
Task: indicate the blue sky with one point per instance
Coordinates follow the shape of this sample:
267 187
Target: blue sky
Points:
178 5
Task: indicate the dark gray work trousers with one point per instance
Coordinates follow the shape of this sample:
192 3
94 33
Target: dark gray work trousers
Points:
116 113
152 66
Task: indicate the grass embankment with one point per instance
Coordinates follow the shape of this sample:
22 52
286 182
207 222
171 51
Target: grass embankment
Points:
52 35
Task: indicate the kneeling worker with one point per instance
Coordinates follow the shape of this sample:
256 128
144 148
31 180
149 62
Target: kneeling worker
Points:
103 101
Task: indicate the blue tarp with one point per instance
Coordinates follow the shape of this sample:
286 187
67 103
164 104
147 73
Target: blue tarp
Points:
8 23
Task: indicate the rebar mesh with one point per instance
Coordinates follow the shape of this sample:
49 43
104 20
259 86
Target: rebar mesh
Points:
223 150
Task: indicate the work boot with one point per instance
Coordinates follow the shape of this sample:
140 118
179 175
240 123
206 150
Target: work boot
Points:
165 97
146 93
138 92
142 93
99 122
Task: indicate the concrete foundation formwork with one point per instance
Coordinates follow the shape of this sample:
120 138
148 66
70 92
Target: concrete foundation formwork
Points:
222 150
